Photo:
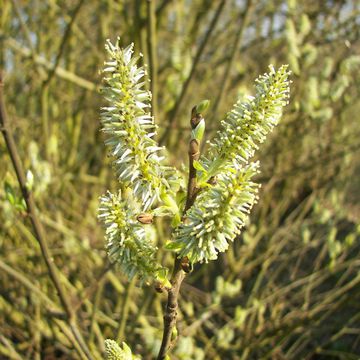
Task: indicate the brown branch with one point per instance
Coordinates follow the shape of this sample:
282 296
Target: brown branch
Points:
194 154
180 264
37 226
152 48
39 60
63 42
176 109
159 10
234 50
171 308
27 34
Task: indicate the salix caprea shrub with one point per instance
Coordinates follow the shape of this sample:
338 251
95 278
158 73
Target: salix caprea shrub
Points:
225 189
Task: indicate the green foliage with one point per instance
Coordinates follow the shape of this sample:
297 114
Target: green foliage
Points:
13 198
199 131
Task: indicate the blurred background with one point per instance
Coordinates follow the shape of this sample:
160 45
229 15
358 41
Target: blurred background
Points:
289 287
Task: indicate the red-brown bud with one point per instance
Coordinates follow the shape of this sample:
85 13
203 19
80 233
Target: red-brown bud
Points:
186 265
159 287
145 218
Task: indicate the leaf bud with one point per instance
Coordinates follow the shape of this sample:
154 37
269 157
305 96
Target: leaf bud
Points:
198 132
145 218
29 180
195 118
159 287
174 333
212 180
202 106
186 265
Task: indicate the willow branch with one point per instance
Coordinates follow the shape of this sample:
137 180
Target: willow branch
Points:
234 50
125 310
178 274
63 42
171 309
37 226
27 35
175 111
39 60
151 45
159 10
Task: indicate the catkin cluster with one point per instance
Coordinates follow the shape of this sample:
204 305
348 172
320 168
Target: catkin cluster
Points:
225 187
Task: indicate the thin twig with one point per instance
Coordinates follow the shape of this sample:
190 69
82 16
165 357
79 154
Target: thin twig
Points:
39 60
125 310
50 306
176 109
27 34
9 349
194 154
234 51
152 47
40 295
97 300
93 288
37 226
178 274
159 10
63 42
171 308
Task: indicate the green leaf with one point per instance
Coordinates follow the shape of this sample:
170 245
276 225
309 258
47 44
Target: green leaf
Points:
10 194
174 333
198 132
173 246
176 220
180 199
198 166
162 211
162 277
